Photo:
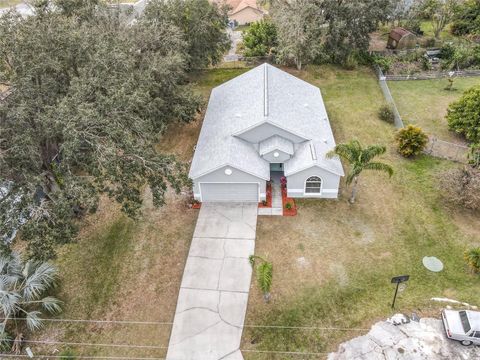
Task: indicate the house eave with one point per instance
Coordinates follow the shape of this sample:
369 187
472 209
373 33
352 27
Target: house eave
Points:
243 131
312 166
229 165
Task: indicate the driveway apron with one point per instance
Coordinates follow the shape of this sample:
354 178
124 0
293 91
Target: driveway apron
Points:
213 294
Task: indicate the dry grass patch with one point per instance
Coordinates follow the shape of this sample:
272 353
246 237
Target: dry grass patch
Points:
425 103
8 3
122 269
333 262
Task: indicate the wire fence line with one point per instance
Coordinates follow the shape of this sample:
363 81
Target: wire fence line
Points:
51 342
388 97
447 150
243 62
433 75
435 147
14 356
127 322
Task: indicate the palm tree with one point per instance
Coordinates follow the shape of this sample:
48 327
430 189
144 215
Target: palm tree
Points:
360 159
264 275
23 286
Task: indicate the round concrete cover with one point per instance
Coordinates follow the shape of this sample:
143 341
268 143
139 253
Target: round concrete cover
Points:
432 263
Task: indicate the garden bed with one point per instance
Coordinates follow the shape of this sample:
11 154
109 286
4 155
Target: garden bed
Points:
286 200
196 205
268 202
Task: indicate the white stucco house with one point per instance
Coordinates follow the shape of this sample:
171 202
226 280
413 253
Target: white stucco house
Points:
243 11
261 123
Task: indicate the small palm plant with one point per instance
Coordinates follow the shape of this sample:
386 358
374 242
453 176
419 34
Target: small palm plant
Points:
472 257
360 159
264 275
23 288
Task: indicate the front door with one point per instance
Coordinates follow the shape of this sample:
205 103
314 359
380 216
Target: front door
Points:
276 167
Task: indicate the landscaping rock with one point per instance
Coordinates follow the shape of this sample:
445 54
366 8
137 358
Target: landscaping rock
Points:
415 340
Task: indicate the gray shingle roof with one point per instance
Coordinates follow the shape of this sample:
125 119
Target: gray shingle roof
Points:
264 93
276 143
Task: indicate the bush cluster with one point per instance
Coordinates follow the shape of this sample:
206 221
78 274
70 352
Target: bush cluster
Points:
463 115
411 140
386 113
472 257
467 19
462 187
460 56
384 62
260 38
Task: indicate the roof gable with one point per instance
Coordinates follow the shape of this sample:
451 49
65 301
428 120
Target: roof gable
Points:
313 154
276 143
246 4
266 129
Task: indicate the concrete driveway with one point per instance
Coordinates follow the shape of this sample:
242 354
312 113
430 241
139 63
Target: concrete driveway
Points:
213 295
235 38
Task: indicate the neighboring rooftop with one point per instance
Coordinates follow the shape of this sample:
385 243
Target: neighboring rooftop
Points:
238 5
398 33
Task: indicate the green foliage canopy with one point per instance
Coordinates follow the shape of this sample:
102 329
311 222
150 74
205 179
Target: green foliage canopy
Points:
440 13
202 26
326 29
472 257
88 101
463 116
466 19
260 38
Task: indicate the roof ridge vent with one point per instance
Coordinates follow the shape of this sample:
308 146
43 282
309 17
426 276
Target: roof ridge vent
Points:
313 152
265 90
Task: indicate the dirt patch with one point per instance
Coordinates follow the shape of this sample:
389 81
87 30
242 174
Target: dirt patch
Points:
340 274
181 140
464 220
378 41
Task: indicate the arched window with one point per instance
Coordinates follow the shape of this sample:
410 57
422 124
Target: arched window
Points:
313 185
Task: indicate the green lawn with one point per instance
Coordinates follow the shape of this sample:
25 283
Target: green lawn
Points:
242 27
121 269
425 103
130 270
427 28
333 262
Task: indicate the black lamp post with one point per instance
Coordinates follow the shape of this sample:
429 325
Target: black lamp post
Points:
398 280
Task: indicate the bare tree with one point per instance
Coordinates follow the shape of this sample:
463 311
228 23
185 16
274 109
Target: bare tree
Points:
440 13
299 23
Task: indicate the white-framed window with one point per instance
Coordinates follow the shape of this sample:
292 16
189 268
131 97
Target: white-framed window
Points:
313 185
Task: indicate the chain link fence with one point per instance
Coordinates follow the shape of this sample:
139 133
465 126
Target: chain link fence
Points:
388 97
243 62
436 147
433 75
447 150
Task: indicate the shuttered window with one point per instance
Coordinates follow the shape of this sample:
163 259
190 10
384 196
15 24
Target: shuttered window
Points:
313 185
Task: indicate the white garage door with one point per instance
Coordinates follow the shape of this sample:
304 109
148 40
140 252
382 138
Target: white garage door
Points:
229 192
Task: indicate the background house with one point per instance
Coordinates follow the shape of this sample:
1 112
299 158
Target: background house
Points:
243 11
259 126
